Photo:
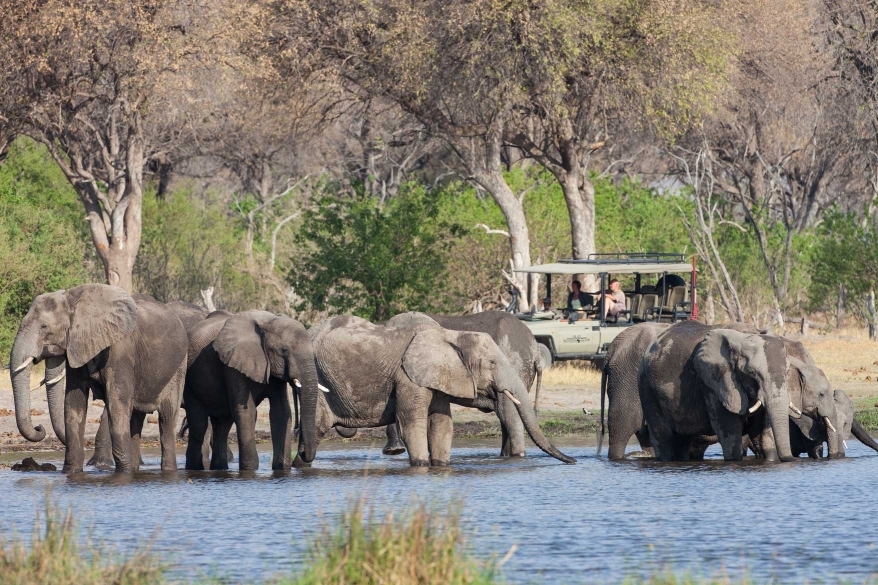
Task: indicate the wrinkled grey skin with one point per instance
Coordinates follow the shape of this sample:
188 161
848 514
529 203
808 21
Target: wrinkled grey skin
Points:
520 348
190 315
696 381
808 436
235 362
378 375
129 352
619 380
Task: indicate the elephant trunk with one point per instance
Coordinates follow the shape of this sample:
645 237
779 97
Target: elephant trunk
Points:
776 409
860 433
55 391
833 436
604 377
529 418
307 370
24 351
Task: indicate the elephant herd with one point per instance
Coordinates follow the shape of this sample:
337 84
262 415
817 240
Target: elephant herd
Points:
680 388
139 355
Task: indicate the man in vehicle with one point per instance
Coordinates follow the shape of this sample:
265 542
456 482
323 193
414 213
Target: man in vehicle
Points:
547 309
614 299
578 302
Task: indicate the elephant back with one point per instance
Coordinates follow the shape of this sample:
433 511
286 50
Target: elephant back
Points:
508 332
204 333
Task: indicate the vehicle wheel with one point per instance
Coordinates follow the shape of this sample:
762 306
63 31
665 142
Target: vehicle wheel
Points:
546 356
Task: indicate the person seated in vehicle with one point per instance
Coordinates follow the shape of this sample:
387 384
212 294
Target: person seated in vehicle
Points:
669 280
546 311
578 302
614 299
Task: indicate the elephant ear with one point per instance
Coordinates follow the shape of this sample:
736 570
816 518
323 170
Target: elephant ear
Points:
797 381
240 345
102 315
432 361
205 333
716 360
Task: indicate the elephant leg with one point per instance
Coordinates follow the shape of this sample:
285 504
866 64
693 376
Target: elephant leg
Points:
221 452
280 417
120 433
167 435
440 430
75 409
136 425
661 435
244 415
511 427
412 413
621 427
642 435
394 445
103 455
816 452
198 429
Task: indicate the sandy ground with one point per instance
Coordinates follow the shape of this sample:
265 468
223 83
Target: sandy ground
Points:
848 358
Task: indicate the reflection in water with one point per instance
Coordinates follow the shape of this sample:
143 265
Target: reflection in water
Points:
594 521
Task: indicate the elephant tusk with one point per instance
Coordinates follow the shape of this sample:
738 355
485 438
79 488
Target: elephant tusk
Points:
796 410
297 383
324 388
23 365
845 443
54 380
829 424
755 407
511 397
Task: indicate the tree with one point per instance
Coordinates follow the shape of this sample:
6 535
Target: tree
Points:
587 68
86 78
440 62
371 260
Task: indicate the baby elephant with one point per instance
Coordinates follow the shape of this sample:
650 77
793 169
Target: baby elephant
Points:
807 435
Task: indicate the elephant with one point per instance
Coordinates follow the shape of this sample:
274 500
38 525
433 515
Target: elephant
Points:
518 345
190 315
808 436
129 352
237 361
696 381
377 375
619 385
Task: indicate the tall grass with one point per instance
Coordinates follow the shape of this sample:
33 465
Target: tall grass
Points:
419 546
54 557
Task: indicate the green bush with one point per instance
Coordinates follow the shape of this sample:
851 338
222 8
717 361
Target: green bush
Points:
374 261
44 245
54 557
416 547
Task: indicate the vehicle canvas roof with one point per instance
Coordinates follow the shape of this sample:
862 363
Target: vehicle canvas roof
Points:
608 267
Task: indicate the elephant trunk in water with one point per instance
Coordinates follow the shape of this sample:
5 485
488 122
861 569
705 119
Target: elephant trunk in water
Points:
860 433
24 351
307 370
55 391
512 384
833 434
776 409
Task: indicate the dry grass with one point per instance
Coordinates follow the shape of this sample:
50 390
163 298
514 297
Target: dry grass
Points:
850 362
572 374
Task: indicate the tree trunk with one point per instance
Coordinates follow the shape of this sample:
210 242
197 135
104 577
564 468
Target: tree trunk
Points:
871 316
580 207
839 307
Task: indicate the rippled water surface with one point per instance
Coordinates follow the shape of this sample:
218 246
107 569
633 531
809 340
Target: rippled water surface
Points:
591 522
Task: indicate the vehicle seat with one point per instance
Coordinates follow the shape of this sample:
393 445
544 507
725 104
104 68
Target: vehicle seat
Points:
672 303
647 302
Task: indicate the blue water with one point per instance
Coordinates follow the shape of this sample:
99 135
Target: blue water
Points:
596 521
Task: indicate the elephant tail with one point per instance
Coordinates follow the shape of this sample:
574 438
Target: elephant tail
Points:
604 376
537 391
860 433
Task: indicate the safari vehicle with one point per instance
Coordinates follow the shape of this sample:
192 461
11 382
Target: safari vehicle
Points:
587 338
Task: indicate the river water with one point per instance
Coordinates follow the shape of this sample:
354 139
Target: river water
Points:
596 521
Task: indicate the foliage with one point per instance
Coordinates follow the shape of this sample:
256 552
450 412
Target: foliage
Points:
43 246
190 244
418 546
54 556
374 261
846 253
